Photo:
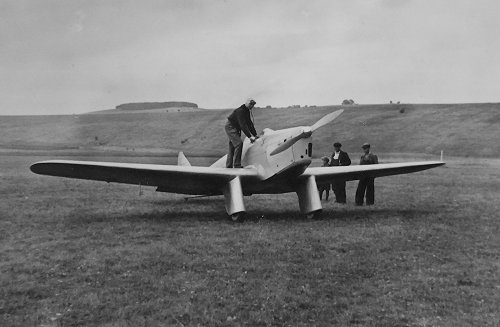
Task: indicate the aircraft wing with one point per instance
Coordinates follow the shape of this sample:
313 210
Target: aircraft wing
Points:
325 175
175 179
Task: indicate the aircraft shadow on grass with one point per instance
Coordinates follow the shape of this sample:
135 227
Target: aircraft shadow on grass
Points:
351 215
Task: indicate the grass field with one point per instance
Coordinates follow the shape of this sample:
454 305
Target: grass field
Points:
78 253
458 129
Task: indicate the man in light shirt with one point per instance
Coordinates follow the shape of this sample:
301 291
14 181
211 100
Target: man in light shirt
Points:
339 158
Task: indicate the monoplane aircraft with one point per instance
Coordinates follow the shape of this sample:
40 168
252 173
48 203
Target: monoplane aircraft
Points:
277 162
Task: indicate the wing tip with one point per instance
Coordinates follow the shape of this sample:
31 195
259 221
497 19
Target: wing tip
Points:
37 167
439 163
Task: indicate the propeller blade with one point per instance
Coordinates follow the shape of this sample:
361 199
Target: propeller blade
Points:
326 120
307 131
290 142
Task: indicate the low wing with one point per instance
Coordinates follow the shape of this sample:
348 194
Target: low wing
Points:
174 179
329 174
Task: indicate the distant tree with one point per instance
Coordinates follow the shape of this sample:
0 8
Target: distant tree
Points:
348 102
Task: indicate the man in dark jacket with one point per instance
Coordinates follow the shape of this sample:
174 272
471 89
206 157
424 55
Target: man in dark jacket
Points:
239 120
339 158
368 183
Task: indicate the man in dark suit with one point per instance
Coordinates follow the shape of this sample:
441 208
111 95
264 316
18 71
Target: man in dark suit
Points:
339 158
239 121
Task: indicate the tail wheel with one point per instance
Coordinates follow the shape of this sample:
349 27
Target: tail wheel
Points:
237 217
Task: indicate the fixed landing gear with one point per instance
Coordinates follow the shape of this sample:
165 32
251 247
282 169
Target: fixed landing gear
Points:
233 197
237 217
309 202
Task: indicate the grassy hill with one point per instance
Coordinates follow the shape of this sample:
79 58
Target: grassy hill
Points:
458 129
142 111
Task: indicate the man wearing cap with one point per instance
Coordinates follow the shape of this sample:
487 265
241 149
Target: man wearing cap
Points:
339 158
368 183
239 120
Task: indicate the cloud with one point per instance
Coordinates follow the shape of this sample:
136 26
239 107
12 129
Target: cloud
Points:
75 56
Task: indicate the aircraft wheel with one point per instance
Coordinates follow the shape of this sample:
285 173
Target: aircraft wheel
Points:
237 217
313 215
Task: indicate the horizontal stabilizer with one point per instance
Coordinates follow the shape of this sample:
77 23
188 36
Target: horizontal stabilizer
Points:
221 163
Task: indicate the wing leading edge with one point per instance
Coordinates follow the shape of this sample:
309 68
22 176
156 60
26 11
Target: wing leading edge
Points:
348 173
176 179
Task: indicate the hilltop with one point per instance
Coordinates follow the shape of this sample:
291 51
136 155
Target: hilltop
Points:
156 105
142 107
458 129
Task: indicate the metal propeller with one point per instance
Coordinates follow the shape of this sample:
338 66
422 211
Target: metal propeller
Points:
307 131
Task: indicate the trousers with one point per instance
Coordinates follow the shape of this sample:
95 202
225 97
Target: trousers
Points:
338 188
325 188
235 146
368 185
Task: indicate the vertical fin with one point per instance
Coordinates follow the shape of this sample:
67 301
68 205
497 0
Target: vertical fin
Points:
182 160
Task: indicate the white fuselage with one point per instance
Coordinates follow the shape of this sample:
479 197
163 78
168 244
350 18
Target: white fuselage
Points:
259 155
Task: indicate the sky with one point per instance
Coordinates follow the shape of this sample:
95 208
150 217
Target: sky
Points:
69 57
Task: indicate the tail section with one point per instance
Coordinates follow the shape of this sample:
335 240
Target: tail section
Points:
182 160
221 163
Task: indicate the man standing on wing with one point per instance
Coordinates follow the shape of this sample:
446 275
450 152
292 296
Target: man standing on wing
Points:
367 183
339 158
239 120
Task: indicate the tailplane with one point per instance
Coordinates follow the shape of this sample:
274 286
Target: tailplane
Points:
221 163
